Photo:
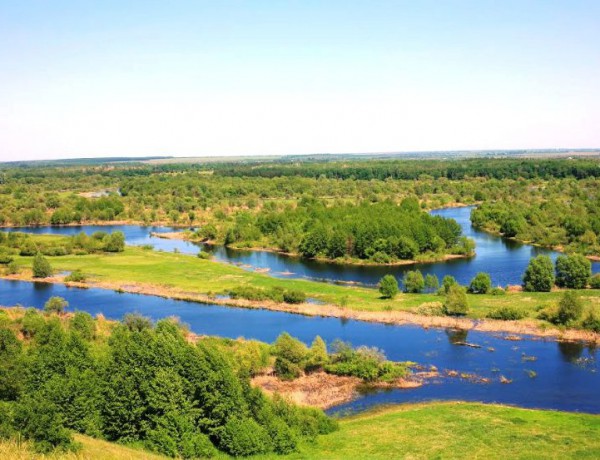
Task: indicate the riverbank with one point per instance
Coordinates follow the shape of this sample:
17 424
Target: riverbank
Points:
367 307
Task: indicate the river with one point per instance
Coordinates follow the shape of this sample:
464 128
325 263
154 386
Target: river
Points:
566 375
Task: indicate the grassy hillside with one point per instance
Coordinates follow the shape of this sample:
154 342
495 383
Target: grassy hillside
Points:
460 430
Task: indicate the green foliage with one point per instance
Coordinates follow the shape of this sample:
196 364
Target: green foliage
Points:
294 296
11 366
480 284
456 302
5 258
366 363
591 322
432 283
32 323
539 275
76 276
595 281
388 287
413 281
496 291
291 355
242 437
40 421
570 308
12 268
204 255
83 323
41 267
317 355
447 282
506 314
55 305
573 271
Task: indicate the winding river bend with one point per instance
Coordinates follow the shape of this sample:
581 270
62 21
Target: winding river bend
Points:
543 374
505 260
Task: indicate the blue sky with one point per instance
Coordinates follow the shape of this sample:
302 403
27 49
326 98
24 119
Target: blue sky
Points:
198 78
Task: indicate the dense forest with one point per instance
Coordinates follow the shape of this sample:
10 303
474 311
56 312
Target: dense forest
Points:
545 201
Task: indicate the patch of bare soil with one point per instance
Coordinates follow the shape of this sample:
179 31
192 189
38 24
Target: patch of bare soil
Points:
321 389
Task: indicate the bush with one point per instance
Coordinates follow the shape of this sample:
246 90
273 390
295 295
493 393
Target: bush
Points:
591 322
286 370
539 275
39 420
56 305
456 303
41 267
294 296
506 314
83 323
242 437
480 284
204 255
197 445
447 282
76 276
12 268
5 258
497 291
413 281
32 323
388 287
573 271
595 281
432 283
570 308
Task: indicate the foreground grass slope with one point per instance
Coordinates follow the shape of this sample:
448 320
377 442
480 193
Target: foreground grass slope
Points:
460 430
431 430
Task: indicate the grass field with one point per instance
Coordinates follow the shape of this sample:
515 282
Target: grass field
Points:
460 430
193 275
433 430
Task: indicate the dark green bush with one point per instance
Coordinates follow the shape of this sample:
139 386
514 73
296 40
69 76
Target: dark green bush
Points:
539 275
570 308
388 286
480 284
294 296
456 303
506 314
242 437
595 281
573 271
41 267
591 322
76 276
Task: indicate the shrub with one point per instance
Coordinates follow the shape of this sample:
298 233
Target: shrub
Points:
456 303
32 323
290 349
539 275
413 281
591 322
5 258
41 267
286 370
595 281
28 248
573 271
506 314
197 445
447 282
56 305
83 323
388 286
39 420
76 276
242 437
497 291
294 296
570 308
432 283
480 284
204 255
12 268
